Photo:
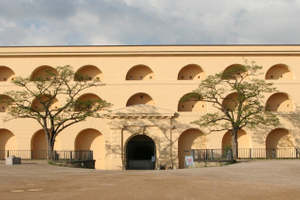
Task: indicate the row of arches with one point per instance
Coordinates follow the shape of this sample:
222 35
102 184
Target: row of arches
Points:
276 102
279 138
37 105
143 72
92 139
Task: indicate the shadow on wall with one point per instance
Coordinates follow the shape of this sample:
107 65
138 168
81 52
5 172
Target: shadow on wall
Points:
294 119
147 120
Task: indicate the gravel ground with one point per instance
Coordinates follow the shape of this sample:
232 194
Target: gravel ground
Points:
256 179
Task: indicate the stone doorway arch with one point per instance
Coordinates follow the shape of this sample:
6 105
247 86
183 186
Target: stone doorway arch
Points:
140 153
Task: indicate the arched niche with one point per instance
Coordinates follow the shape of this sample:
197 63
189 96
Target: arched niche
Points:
37 105
279 102
191 72
88 72
5 101
140 98
8 141
243 140
39 145
189 104
92 140
6 74
188 140
231 101
233 71
140 72
279 72
279 138
41 72
86 98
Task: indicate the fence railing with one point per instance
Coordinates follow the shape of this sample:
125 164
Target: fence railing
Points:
226 154
67 155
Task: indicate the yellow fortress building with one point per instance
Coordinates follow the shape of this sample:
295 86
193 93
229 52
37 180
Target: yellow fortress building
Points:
148 127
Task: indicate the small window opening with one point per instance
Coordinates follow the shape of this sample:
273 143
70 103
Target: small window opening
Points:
271 76
288 105
150 77
191 77
90 78
280 76
182 77
130 77
198 77
141 77
4 79
278 105
142 96
192 106
3 108
202 106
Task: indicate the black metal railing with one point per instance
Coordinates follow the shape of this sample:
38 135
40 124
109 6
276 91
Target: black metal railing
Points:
67 155
244 153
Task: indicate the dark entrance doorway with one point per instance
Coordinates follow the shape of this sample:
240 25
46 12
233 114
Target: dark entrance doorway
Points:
140 153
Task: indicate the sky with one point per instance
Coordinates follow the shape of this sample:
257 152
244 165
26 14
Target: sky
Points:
148 22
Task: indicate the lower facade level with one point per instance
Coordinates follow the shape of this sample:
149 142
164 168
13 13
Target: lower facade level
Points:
141 137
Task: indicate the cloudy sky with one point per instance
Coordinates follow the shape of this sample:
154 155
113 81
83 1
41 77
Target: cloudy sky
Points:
148 22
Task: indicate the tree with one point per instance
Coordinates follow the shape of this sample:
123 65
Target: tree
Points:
237 96
38 101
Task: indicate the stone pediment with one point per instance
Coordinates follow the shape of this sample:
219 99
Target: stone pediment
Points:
141 111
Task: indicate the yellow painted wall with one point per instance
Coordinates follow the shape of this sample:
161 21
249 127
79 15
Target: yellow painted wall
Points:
166 65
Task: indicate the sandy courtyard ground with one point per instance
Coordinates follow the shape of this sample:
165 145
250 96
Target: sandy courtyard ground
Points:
259 179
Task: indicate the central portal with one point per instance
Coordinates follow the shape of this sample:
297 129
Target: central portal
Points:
140 153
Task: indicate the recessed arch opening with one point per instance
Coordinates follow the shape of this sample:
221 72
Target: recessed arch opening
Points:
42 72
191 72
243 140
5 101
140 72
280 102
188 140
6 74
234 71
279 72
140 152
8 141
92 140
87 101
188 103
140 98
88 72
231 101
37 105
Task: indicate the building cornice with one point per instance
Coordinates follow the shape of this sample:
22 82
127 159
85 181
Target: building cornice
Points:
180 50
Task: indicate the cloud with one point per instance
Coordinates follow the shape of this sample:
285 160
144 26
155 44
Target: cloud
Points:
137 22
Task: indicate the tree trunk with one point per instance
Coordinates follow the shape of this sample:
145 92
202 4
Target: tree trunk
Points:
50 148
234 144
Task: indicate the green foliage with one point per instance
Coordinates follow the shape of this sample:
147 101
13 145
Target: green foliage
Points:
237 96
37 99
